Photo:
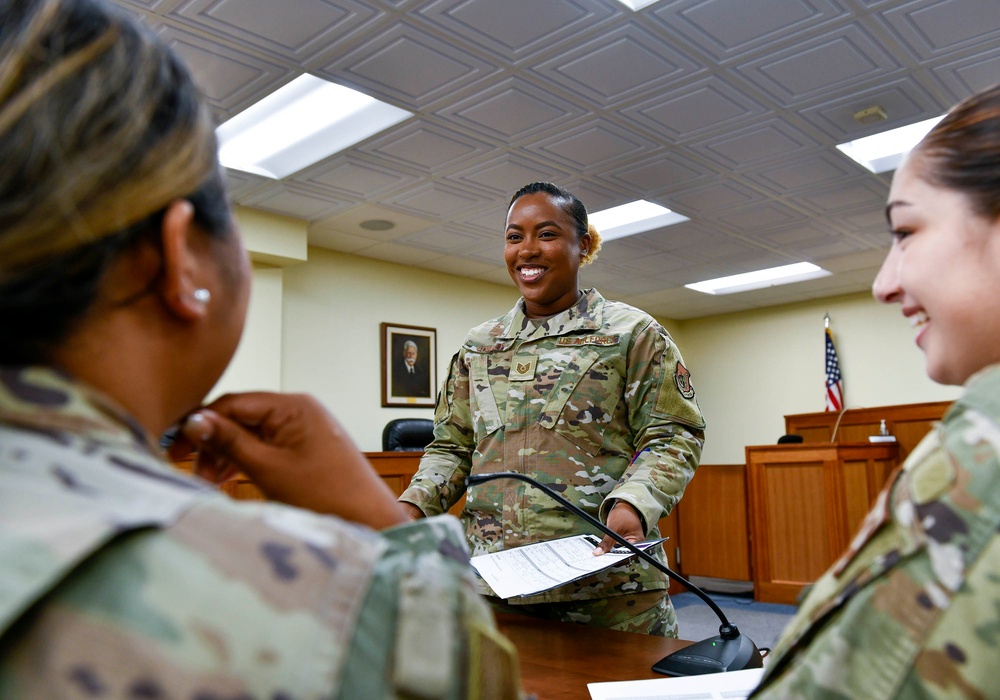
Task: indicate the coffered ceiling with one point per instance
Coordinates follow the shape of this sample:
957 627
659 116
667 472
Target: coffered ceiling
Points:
726 111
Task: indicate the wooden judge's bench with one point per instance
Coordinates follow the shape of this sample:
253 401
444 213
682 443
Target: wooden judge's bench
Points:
807 500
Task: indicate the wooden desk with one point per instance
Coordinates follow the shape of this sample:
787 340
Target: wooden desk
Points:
559 659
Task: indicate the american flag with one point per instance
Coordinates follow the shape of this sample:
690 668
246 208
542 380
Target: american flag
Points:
834 382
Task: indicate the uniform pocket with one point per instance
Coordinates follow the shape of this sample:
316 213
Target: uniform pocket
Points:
582 401
482 402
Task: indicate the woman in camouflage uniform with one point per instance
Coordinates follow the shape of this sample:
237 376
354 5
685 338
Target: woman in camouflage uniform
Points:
912 609
123 289
588 395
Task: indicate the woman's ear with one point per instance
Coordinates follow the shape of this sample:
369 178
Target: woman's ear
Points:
180 292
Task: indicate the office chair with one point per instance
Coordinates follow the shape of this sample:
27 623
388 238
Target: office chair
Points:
407 434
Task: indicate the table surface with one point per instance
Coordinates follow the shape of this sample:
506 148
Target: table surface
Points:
559 659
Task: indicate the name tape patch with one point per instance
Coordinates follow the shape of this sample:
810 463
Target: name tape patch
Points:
590 340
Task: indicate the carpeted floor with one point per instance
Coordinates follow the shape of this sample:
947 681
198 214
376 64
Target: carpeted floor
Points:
762 622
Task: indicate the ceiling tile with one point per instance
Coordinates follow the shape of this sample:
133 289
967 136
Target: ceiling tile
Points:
409 67
807 169
507 173
291 200
932 29
761 216
513 110
357 178
437 201
864 194
662 172
515 29
707 105
426 148
593 68
726 29
448 240
293 29
904 100
969 74
594 144
846 58
230 79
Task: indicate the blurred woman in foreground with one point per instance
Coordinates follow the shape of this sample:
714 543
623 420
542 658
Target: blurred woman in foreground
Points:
912 609
123 290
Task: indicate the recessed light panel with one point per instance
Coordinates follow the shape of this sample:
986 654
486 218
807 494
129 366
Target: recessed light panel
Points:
632 218
300 124
883 152
636 5
759 279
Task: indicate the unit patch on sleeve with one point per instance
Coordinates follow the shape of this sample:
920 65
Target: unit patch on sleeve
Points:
682 378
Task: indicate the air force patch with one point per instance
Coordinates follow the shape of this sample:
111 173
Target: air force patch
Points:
682 378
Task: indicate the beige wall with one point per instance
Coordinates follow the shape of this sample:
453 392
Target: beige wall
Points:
333 306
752 368
257 362
313 327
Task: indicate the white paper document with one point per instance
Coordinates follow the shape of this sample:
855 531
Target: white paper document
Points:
734 685
539 567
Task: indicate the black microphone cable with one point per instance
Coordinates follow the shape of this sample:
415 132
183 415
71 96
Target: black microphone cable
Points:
730 651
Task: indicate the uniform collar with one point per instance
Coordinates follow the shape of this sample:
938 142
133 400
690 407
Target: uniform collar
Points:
982 391
585 315
48 401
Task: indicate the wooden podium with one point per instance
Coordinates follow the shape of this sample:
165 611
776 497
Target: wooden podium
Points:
806 502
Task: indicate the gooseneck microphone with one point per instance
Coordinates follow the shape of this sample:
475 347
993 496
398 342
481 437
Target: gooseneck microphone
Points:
729 651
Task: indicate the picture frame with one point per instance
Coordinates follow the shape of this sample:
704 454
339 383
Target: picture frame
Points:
401 387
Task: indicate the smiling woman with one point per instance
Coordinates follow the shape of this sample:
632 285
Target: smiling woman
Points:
912 608
587 394
123 292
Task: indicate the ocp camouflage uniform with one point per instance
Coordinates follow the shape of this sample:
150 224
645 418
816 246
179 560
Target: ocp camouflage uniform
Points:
594 401
122 578
912 609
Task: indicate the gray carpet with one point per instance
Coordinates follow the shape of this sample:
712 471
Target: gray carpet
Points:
762 622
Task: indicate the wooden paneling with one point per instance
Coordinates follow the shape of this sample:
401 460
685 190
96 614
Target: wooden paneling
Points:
713 525
907 422
806 501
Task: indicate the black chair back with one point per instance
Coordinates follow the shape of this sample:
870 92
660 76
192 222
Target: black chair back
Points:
407 435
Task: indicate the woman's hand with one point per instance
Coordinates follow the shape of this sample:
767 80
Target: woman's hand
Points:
623 519
293 450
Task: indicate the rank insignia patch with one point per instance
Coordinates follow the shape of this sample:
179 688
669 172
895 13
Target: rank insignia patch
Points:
682 378
522 369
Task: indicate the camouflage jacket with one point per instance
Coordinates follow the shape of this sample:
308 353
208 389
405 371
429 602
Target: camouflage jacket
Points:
912 609
122 578
594 401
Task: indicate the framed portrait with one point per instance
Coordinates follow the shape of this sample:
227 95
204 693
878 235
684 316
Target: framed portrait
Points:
409 365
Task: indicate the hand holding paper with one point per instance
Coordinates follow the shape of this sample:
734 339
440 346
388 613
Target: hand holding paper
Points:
539 567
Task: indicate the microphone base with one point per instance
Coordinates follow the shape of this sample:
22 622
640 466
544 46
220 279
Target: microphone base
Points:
712 655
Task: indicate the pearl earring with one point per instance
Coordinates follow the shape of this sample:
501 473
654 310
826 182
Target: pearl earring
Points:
202 296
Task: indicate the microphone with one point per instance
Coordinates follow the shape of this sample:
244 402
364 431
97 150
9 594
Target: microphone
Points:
730 650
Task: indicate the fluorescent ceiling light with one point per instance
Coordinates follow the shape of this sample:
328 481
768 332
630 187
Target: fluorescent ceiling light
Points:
883 152
771 277
636 5
300 124
632 218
